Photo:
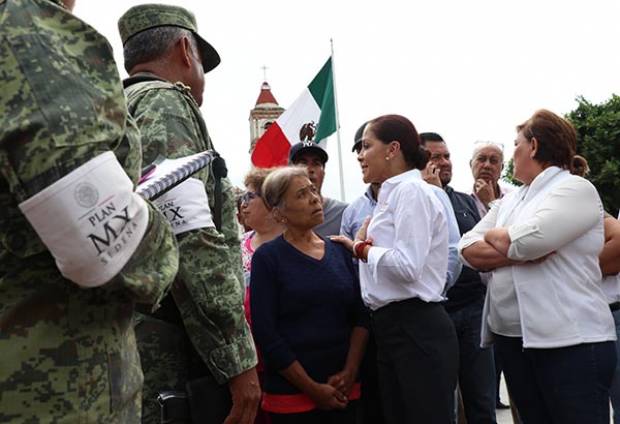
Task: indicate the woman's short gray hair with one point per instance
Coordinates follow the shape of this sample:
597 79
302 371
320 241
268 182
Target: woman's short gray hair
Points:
277 183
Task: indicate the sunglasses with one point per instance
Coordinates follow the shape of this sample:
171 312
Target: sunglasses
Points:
248 196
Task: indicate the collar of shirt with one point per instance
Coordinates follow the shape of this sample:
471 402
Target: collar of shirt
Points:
538 183
388 185
369 196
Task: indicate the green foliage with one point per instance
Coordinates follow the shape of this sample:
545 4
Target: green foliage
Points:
509 174
598 140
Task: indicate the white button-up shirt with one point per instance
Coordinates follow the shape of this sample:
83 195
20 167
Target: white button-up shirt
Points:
557 302
409 256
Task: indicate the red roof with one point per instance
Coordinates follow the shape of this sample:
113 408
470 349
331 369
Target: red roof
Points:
265 95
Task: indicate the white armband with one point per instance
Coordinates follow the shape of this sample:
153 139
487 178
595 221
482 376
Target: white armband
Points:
90 220
186 206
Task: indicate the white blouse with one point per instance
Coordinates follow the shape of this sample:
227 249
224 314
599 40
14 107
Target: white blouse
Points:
557 302
409 256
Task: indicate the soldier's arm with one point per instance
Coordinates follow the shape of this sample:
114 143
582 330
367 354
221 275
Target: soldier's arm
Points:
56 146
207 290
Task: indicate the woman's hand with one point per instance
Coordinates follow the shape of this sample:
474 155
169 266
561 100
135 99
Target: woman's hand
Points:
344 240
342 381
360 236
328 397
499 238
362 233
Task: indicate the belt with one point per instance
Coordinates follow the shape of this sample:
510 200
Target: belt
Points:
614 306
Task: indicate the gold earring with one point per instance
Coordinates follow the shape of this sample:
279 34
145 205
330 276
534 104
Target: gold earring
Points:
387 158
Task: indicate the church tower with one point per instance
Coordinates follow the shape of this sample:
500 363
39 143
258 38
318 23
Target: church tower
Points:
265 112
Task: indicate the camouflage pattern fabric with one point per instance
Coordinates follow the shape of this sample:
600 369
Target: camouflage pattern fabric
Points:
146 16
68 355
208 290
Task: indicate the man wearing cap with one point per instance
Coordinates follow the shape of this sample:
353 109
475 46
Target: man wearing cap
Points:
466 297
314 158
354 215
352 219
78 247
166 60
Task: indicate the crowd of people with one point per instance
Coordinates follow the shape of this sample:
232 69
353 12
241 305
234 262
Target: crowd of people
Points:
401 307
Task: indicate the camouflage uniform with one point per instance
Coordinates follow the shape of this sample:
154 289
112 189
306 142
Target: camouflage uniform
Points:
208 291
68 354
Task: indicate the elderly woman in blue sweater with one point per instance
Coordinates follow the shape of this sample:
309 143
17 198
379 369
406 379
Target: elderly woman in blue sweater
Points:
308 317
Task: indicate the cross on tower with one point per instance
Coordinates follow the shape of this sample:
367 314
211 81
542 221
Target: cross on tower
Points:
264 68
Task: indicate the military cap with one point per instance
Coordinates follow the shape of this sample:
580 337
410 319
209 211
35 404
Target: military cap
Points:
147 16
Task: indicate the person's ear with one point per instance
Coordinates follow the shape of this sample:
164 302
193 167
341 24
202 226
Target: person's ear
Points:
277 215
533 147
393 148
185 46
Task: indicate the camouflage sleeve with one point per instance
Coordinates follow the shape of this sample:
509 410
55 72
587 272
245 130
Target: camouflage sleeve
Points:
208 290
230 227
155 262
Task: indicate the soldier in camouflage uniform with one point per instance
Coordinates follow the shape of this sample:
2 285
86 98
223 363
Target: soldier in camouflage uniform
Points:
167 60
68 354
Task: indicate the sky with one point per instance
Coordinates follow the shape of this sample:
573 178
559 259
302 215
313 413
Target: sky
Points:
468 70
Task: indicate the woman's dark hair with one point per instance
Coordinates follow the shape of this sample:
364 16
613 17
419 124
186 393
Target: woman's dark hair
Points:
557 138
388 128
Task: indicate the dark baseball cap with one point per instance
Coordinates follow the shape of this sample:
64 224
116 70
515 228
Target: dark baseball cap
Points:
306 146
358 136
146 16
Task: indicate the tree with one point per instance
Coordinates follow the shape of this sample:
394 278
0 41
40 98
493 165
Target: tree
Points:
598 140
509 174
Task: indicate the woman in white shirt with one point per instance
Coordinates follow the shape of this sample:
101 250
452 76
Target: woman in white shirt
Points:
404 256
544 308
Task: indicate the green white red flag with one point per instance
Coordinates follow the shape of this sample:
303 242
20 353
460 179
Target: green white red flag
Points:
310 119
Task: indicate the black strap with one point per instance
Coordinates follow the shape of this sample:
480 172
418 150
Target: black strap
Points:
219 171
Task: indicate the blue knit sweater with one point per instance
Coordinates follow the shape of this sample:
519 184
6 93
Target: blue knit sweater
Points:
303 309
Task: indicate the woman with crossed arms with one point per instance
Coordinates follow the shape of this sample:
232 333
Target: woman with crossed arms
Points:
544 307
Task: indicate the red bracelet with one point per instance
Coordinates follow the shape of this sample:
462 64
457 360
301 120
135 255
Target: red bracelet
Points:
358 249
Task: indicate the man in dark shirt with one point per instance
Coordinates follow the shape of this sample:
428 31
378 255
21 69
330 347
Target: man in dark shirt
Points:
466 297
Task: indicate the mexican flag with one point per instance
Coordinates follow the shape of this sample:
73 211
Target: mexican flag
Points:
311 118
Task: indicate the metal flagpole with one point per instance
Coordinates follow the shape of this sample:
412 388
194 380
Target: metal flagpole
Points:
342 195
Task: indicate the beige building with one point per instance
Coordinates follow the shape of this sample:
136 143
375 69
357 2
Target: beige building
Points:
265 112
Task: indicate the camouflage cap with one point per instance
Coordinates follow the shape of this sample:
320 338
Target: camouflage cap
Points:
147 16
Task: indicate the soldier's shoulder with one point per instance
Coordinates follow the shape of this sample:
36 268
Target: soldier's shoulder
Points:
157 87
169 96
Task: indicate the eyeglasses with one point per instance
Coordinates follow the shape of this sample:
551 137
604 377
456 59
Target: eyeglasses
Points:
483 143
248 196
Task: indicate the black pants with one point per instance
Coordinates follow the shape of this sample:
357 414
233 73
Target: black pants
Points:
568 385
417 354
371 411
344 416
476 370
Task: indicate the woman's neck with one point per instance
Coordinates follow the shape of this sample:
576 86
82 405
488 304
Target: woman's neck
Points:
299 235
263 235
397 166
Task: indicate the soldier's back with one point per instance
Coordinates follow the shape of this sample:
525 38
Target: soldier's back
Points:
68 354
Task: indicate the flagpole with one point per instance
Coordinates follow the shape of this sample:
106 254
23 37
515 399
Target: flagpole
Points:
342 195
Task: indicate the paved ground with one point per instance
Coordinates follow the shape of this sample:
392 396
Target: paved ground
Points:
503 415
